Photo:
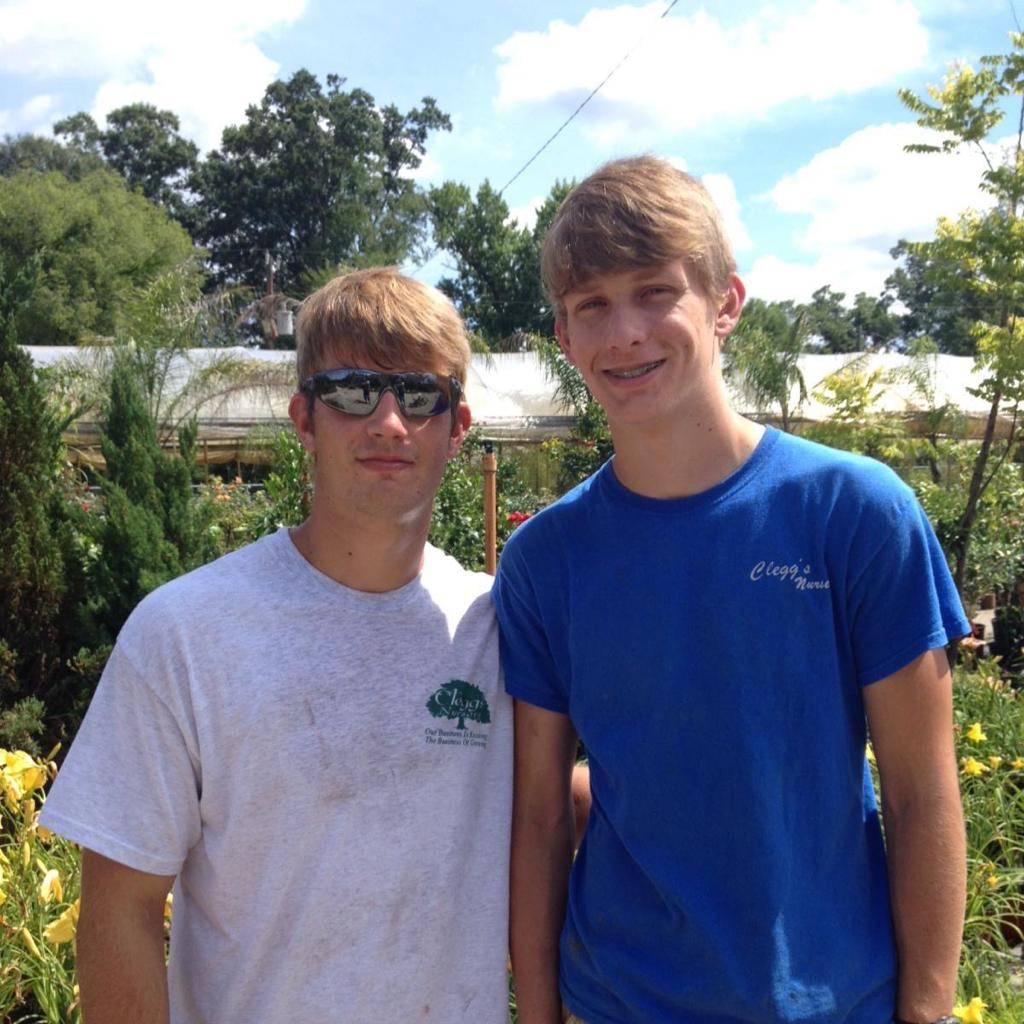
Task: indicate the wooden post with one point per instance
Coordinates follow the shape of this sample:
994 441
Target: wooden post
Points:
490 508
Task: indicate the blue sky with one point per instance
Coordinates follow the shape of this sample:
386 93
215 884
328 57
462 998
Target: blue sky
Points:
787 110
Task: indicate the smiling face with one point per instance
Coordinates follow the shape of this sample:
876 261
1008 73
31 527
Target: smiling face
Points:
646 341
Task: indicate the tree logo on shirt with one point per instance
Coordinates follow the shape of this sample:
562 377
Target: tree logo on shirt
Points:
460 700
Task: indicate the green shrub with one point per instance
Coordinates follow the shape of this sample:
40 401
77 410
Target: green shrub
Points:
989 723
457 526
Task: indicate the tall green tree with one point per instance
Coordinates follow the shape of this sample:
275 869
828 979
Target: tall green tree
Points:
96 241
873 325
496 285
314 177
31 586
827 318
763 355
151 532
142 144
938 303
864 324
987 247
35 153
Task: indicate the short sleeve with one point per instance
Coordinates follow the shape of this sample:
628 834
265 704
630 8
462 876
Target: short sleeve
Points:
531 669
901 599
129 786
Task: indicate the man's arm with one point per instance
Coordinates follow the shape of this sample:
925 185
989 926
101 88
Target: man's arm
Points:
543 835
120 943
910 717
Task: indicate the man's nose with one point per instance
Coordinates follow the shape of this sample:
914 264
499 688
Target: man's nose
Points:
625 327
387 418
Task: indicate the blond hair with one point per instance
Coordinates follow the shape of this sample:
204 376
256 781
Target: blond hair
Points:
383 318
630 213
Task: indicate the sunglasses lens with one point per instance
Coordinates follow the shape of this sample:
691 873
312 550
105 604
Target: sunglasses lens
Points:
348 395
422 394
357 392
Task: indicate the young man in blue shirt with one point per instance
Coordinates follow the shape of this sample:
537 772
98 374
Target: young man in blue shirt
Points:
721 613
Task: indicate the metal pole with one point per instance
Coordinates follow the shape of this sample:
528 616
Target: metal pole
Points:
490 508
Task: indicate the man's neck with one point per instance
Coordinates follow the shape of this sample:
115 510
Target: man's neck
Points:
374 557
687 457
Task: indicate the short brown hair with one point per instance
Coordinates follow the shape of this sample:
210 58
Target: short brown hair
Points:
635 212
382 317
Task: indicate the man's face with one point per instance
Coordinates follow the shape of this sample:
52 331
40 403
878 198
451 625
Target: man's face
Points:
646 341
385 465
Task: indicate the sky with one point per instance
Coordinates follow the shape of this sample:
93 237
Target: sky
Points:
787 110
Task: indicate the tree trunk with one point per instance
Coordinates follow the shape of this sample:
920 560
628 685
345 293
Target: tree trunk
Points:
974 494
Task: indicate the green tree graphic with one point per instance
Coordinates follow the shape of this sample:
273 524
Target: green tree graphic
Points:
461 700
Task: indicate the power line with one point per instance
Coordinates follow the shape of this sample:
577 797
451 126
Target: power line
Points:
595 91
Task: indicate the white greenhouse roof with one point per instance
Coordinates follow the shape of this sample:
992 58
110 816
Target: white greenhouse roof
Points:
511 395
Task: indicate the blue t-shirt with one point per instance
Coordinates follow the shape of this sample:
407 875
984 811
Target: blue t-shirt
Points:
710 651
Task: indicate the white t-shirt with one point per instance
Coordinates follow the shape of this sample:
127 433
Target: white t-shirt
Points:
327 772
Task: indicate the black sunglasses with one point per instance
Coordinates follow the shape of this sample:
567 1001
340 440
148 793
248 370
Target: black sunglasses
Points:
358 392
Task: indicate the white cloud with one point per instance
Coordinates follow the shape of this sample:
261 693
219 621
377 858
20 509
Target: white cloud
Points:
202 60
32 115
697 70
858 199
868 188
849 269
428 172
723 191
525 215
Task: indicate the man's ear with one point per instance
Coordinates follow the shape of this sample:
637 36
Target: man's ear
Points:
301 412
562 334
460 426
729 307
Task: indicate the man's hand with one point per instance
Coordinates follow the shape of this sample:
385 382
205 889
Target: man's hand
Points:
120 943
910 718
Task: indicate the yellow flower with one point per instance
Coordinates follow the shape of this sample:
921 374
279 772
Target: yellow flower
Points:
974 734
26 854
992 881
64 927
28 811
995 761
168 906
11 792
44 833
971 1013
973 767
1017 763
30 943
3 897
22 771
50 889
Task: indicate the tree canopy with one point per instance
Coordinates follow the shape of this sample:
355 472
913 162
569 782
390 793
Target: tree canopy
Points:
314 177
95 240
866 323
142 144
497 285
985 249
35 153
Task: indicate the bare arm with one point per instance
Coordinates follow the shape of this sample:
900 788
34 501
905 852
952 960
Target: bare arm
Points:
543 836
910 716
120 943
